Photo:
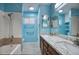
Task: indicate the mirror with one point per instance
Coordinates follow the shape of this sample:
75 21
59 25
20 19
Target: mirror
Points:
54 22
45 21
54 25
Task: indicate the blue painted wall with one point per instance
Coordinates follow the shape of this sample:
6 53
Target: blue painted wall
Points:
61 18
63 26
46 10
11 7
74 12
1 6
30 31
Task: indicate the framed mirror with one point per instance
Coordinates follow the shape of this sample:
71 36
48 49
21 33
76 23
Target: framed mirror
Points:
54 22
45 21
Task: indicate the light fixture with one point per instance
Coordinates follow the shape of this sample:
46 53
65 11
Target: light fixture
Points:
60 11
45 17
31 8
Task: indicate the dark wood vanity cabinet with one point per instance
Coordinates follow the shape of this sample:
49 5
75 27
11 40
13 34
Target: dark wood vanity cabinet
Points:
46 49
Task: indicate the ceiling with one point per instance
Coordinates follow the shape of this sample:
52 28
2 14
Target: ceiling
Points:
68 6
27 5
19 7
35 5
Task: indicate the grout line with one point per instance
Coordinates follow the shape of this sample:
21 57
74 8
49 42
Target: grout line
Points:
14 49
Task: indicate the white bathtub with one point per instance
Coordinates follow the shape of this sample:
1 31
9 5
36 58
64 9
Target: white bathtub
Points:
8 49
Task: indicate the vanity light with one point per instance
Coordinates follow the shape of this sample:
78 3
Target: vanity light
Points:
60 11
31 8
45 17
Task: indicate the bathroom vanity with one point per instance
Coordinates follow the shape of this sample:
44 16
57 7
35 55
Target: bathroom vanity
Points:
46 48
55 45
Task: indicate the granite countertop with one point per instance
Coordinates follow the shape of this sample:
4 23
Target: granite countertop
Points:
61 45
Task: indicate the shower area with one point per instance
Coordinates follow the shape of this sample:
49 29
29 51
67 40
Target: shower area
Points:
10 27
11 37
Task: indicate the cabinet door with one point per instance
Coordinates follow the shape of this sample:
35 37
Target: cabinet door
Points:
52 51
45 44
41 45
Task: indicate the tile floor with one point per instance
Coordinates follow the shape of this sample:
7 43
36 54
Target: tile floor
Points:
29 49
